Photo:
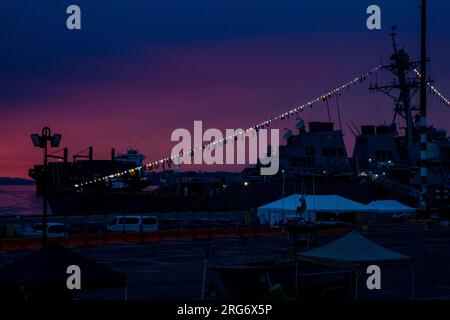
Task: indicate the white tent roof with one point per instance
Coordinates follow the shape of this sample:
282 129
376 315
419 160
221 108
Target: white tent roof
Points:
389 206
352 248
333 203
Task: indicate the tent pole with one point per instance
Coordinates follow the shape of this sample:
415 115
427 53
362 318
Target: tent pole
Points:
356 283
296 272
270 218
205 267
412 282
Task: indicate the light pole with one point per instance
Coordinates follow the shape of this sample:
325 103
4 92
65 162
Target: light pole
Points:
41 141
282 199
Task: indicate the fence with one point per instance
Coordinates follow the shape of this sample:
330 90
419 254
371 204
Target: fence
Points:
95 230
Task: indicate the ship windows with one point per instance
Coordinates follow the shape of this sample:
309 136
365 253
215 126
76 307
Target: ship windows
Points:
383 155
333 152
308 162
310 151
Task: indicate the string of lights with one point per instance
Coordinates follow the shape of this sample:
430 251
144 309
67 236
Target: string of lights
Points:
156 164
435 91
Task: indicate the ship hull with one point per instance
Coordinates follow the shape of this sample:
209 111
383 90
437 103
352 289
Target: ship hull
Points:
235 197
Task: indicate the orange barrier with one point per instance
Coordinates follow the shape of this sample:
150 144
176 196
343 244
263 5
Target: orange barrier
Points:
10 244
139 237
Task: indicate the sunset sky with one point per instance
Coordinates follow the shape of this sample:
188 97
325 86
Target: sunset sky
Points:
139 69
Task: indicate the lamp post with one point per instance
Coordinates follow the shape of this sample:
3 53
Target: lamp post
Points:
282 199
41 141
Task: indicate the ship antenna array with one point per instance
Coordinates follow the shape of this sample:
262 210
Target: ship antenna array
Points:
403 89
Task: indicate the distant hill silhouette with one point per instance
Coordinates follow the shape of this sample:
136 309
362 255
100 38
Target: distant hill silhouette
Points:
15 181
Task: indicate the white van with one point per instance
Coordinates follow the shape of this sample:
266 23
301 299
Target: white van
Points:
54 229
134 224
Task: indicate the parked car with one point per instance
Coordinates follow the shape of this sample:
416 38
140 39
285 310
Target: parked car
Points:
54 229
88 228
134 224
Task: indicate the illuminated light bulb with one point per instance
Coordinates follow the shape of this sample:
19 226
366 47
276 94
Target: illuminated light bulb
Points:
282 117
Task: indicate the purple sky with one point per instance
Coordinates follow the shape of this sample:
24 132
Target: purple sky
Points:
138 70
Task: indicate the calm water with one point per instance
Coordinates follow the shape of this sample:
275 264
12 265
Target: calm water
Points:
19 200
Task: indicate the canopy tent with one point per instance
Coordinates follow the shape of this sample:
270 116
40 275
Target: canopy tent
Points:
389 206
280 210
385 211
45 270
352 249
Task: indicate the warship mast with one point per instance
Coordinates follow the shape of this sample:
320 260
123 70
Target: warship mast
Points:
401 67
